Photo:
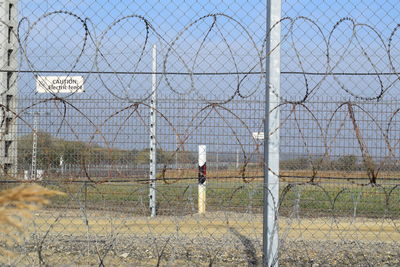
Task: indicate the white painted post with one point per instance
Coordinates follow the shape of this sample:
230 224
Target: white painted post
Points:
202 178
39 175
62 165
153 127
271 142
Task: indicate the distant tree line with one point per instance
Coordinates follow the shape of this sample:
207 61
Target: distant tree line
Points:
341 163
345 162
50 150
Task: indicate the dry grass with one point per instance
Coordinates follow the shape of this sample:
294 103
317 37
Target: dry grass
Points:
16 205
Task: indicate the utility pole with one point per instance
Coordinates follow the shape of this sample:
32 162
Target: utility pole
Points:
36 118
8 92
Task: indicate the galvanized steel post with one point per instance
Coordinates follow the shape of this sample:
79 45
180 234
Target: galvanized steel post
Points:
153 128
271 131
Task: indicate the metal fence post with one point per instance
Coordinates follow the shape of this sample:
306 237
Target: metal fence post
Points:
153 126
271 142
34 144
85 194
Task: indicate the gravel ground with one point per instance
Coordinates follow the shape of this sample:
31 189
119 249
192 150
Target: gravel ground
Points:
172 241
229 251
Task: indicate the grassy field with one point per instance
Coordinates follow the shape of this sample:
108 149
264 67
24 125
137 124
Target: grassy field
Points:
331 194
321 199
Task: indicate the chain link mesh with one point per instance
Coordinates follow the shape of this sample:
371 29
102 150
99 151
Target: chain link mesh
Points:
339 164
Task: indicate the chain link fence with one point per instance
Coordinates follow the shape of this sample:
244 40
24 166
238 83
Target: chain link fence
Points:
109 101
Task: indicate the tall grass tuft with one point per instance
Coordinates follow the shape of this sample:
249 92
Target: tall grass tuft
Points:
16 204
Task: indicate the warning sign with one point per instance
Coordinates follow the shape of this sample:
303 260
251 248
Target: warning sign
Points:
59 84
258 135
